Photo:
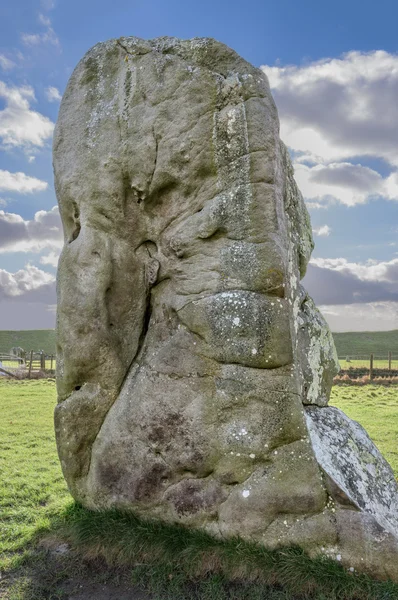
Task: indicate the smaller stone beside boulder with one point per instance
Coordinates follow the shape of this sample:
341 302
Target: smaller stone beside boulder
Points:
354 465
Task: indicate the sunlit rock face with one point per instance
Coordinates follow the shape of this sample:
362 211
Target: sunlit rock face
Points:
187 348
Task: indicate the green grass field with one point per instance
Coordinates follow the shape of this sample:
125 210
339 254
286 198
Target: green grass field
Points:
376 409
364 343
32 488
37 513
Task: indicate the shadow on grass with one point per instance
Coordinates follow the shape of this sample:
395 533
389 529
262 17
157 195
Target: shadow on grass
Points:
115 555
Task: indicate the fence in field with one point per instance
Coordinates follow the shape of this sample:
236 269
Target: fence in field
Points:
355 366
370 365
28 362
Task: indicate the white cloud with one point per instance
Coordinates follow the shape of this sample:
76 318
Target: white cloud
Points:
35 39
348 183
20 126
372 270
48 4
50 259
337 281
20 183
31 283
42 232
323 231
53 94
46 37
338 108
44 20
315 205
27 299
335 110
373 316
5 63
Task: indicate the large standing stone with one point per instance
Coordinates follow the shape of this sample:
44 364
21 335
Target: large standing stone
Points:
187 348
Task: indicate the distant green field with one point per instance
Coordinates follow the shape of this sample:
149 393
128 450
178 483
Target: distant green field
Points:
363 343
35 339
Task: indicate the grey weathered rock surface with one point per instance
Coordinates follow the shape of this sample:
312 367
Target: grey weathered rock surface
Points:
348 456
187 348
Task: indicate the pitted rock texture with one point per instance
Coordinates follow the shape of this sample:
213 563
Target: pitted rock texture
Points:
187 347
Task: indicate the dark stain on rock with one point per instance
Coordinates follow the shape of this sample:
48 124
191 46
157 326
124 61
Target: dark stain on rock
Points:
144 485
191 496
164 430
150 482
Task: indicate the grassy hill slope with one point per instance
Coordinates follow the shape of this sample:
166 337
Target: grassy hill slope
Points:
35 339
347 344
365 342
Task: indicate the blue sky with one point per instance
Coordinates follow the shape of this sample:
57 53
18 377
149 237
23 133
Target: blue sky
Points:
333 70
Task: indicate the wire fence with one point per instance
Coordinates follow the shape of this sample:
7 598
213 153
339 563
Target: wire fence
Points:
371 365
26 364
355 366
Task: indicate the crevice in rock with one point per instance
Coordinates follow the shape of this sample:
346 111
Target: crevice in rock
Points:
127 51
108 304
145 324
219 233
155 162
127 191
75 225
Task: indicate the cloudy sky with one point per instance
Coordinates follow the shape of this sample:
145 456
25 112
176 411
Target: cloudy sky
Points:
333 70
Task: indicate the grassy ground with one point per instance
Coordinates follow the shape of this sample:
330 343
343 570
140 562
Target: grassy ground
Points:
52 549
376 408
32 488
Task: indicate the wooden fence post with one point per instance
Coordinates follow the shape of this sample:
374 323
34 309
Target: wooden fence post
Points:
30 363
371 367
389 361
51 362
42 361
